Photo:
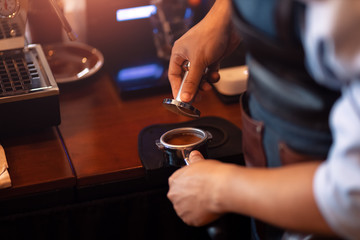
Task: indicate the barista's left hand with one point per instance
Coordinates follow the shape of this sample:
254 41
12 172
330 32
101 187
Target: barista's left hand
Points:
193 188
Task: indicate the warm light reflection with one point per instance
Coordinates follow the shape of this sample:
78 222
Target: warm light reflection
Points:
84 60
246 72
194 2
50 53
83 72
135 13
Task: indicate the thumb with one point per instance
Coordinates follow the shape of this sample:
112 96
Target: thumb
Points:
195 156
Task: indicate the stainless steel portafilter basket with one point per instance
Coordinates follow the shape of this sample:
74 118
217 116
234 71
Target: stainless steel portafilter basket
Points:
177 154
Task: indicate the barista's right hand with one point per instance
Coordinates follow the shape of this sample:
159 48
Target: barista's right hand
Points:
204 45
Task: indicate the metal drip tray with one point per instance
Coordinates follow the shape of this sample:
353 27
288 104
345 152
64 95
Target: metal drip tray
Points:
22 71
28 91
15 74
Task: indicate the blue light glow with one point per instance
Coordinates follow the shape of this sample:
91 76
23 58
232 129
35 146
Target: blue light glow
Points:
135 13
153 71
188 13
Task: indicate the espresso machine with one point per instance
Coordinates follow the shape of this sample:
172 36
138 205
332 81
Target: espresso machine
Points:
29 95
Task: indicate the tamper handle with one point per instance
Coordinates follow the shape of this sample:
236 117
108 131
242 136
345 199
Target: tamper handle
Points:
186 67
178 106
181 86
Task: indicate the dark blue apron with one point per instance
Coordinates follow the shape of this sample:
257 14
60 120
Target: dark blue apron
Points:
285 118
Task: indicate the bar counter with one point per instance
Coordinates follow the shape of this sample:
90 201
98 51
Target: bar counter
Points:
97 141
84 178
100 130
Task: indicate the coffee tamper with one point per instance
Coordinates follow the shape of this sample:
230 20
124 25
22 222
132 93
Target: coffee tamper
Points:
178 106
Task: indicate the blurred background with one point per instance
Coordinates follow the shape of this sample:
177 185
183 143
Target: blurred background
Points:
135 36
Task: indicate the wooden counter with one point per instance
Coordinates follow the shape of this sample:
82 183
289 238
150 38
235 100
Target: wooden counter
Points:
37 163
100 130
97 140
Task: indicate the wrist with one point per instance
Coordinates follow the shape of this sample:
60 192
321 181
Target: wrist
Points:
226 173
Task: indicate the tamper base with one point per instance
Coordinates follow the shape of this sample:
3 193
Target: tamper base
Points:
179 107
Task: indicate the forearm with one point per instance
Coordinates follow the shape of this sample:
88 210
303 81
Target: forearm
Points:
281 196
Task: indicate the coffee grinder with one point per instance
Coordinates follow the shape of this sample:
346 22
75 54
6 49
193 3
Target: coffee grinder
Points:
29 95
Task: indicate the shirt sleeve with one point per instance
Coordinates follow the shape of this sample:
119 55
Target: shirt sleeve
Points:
332 46
332 41
337 181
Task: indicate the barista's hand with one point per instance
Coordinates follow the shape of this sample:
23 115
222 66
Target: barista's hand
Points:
193 188
204 45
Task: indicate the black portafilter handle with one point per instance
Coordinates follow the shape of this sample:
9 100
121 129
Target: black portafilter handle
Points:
216 231
230 226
